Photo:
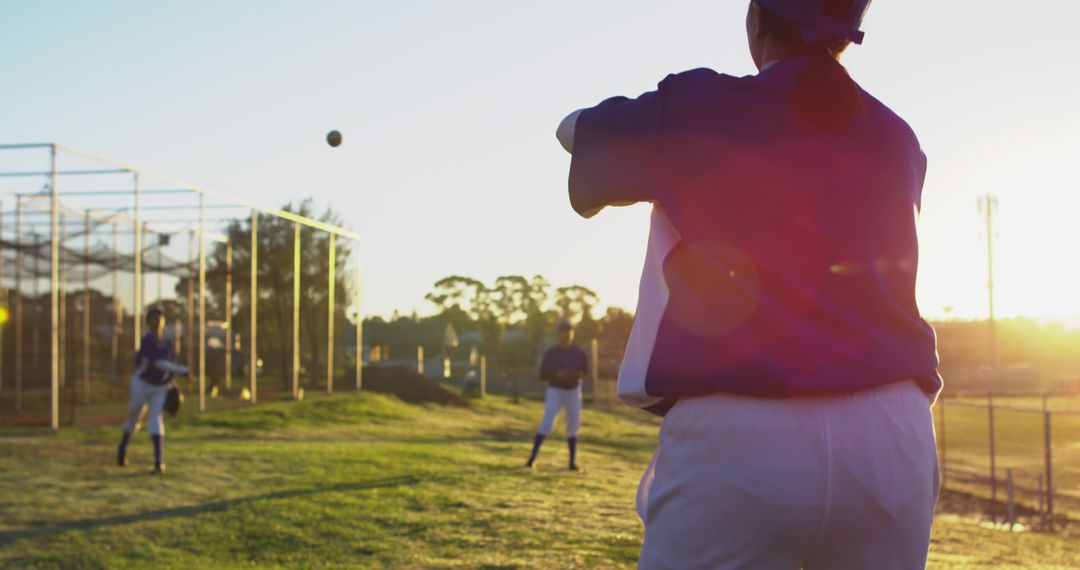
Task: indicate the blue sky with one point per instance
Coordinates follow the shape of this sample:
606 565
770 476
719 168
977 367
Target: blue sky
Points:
448 109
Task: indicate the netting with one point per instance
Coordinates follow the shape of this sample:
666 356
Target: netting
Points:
259 301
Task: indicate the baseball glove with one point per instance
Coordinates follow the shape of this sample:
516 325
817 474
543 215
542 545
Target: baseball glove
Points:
173 399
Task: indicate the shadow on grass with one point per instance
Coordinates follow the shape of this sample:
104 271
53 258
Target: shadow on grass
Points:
151 516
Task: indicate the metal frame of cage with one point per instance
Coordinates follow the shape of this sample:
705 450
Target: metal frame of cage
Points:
59 213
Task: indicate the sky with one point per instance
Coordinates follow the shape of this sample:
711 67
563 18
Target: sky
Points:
448 110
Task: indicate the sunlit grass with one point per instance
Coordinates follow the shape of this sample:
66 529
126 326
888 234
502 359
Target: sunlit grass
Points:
363 480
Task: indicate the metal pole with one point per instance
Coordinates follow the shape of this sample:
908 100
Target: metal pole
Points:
228 315
118 309
18 306
35 336
202 304
332 247
86 312
253 356
189 341
1049 467
137 310
54 277
359 334
993 469
595 368
61 354
296 313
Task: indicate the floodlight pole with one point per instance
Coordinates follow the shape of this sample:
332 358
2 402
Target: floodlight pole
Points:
54 259
332 247
228 315
296 313
86 312
202 303
253 357
137 310
18 306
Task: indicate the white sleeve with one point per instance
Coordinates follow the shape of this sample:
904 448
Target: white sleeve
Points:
171 367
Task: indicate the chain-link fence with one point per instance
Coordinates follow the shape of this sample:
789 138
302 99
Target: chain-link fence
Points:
1018 452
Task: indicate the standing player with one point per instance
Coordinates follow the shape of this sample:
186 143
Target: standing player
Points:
776 329
154 367
563 367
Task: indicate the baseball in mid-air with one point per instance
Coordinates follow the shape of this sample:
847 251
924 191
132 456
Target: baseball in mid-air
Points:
333 138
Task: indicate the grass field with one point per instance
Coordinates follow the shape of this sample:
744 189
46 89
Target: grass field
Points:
365 480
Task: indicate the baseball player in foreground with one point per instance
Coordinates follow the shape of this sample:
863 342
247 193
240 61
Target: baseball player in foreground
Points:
776 330
150 385
563 367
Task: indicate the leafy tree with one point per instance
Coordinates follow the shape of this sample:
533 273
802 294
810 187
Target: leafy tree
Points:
275 303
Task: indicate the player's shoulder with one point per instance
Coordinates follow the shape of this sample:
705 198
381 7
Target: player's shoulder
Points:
890 120
698 79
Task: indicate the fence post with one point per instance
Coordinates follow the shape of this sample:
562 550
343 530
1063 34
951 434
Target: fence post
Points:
1048 454
594 369
420 359
253 337
1011 513
296 314
993 468
483 376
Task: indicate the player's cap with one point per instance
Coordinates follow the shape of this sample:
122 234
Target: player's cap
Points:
564 325
816 25
153 312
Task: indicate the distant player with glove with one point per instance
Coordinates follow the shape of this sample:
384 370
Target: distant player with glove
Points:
563 367
151 386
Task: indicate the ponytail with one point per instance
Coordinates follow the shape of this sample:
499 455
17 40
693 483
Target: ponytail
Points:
826 96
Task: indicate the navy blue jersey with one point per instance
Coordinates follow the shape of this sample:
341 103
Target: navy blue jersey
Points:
782 256
557 359
152 349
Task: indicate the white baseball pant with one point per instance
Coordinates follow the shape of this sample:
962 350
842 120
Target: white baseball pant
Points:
146 395
565 398
837 483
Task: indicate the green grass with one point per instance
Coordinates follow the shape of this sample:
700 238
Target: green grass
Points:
364 480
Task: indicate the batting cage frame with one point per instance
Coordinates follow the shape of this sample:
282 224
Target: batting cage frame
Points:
68 180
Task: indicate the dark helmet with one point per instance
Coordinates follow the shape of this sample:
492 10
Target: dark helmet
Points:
817 25
154 313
